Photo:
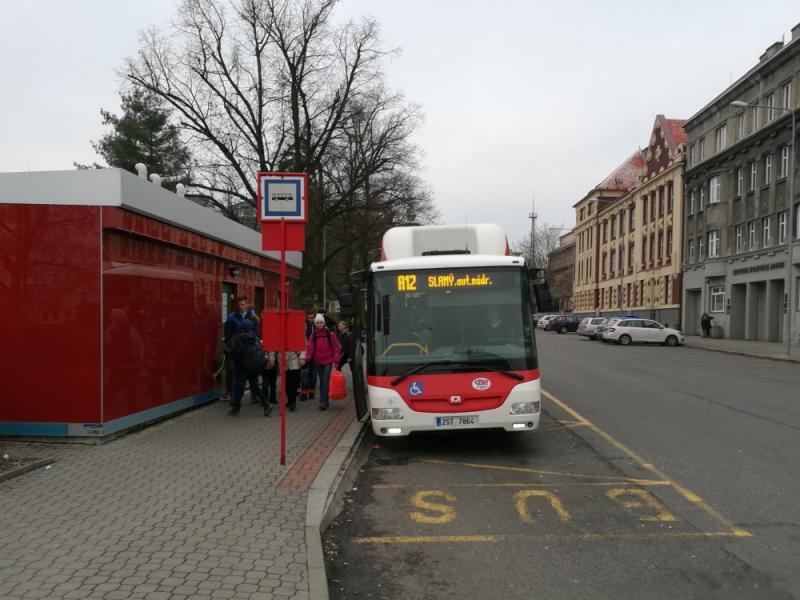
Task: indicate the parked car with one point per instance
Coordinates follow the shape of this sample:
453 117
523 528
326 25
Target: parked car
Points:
544 320
588 327
627 331
563 324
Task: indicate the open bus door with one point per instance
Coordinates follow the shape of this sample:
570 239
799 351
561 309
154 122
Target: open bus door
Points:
541 291
351 307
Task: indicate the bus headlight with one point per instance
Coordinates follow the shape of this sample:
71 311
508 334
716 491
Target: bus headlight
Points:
387 414
525 408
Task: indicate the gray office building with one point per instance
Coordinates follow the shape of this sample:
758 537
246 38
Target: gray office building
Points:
737 232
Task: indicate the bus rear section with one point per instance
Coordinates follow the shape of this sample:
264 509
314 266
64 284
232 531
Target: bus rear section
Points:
450 345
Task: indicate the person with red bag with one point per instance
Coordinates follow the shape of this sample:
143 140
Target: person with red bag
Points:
323 353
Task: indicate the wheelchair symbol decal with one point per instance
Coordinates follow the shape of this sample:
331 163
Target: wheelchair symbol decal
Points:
415 388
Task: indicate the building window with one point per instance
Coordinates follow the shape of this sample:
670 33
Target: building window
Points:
787 94
754 121
659 250
691 251
692 155
691 202
753 175
740 126
644 209
739 238
652 206
784 161
714 188
700 248
631 217
719 138
767 169
669 243
713 244
605 231
717 299
751 233
701 149
702 201
661 202
765 232
770 107
670 198
739 181
644 250
782 218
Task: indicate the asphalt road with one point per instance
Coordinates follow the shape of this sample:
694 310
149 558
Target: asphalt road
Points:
656 472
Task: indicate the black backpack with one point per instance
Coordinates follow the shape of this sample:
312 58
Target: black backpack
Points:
248 354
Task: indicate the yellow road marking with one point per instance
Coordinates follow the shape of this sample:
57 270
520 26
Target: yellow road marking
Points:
521 502
534 471
689 495
647 482
643 499
589 537
445 513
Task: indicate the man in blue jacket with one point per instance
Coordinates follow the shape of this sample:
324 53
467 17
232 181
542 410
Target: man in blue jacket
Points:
232 324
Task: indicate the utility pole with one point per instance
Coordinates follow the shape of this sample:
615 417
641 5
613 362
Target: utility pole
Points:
532 217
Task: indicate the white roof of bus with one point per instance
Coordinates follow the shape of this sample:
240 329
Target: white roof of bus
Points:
447 261
403 242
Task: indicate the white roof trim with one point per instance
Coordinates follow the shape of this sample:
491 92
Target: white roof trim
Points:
115 187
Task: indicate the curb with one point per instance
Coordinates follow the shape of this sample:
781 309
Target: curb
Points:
740 353
326 498
29 467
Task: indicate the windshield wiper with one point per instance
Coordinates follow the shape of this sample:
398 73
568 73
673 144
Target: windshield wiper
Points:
464 366
419 368
512 374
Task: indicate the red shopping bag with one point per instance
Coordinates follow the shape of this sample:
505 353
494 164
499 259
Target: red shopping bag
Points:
337 390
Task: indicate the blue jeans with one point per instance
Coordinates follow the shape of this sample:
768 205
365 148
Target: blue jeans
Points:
324 374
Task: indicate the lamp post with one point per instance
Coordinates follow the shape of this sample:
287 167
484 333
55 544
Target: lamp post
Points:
788 287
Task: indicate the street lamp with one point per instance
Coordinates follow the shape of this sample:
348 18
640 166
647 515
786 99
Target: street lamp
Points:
787 321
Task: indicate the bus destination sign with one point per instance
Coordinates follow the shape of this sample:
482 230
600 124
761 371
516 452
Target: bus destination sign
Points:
412 283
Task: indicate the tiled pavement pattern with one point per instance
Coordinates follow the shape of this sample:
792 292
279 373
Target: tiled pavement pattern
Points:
190 508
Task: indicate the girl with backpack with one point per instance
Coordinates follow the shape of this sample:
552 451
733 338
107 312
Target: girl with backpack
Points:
324 352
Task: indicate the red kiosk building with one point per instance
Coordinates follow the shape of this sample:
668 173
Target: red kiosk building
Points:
113 291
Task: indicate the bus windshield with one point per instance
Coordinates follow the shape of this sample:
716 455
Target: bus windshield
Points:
464 318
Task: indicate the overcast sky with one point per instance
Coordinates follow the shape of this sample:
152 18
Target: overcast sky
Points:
522 99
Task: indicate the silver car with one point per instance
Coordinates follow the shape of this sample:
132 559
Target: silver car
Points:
589 325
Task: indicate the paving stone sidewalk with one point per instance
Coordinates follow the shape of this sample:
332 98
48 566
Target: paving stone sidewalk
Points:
194 507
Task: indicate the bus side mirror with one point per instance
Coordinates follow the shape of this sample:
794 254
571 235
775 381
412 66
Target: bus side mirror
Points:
536 274
347 306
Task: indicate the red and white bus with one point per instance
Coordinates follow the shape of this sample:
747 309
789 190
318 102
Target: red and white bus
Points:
449 339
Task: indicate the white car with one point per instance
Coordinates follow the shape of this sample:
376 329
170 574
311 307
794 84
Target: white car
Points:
589 325
544 321
628 331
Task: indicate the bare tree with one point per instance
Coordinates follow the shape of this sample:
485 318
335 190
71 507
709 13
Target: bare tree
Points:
545 240
274 85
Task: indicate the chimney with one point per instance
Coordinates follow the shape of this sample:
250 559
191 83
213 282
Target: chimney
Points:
141 170
796 32
156 179
771 51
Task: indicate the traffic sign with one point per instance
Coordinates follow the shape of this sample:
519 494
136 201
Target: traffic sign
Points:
283 196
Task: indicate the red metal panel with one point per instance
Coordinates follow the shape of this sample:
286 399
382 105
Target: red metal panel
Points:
50 313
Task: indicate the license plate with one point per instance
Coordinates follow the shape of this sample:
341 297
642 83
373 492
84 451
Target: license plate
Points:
456 421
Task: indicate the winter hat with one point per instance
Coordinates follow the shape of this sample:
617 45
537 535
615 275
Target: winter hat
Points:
319 319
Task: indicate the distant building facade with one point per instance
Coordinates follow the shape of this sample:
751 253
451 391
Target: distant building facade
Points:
561 272
592 232
737 229
629 249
